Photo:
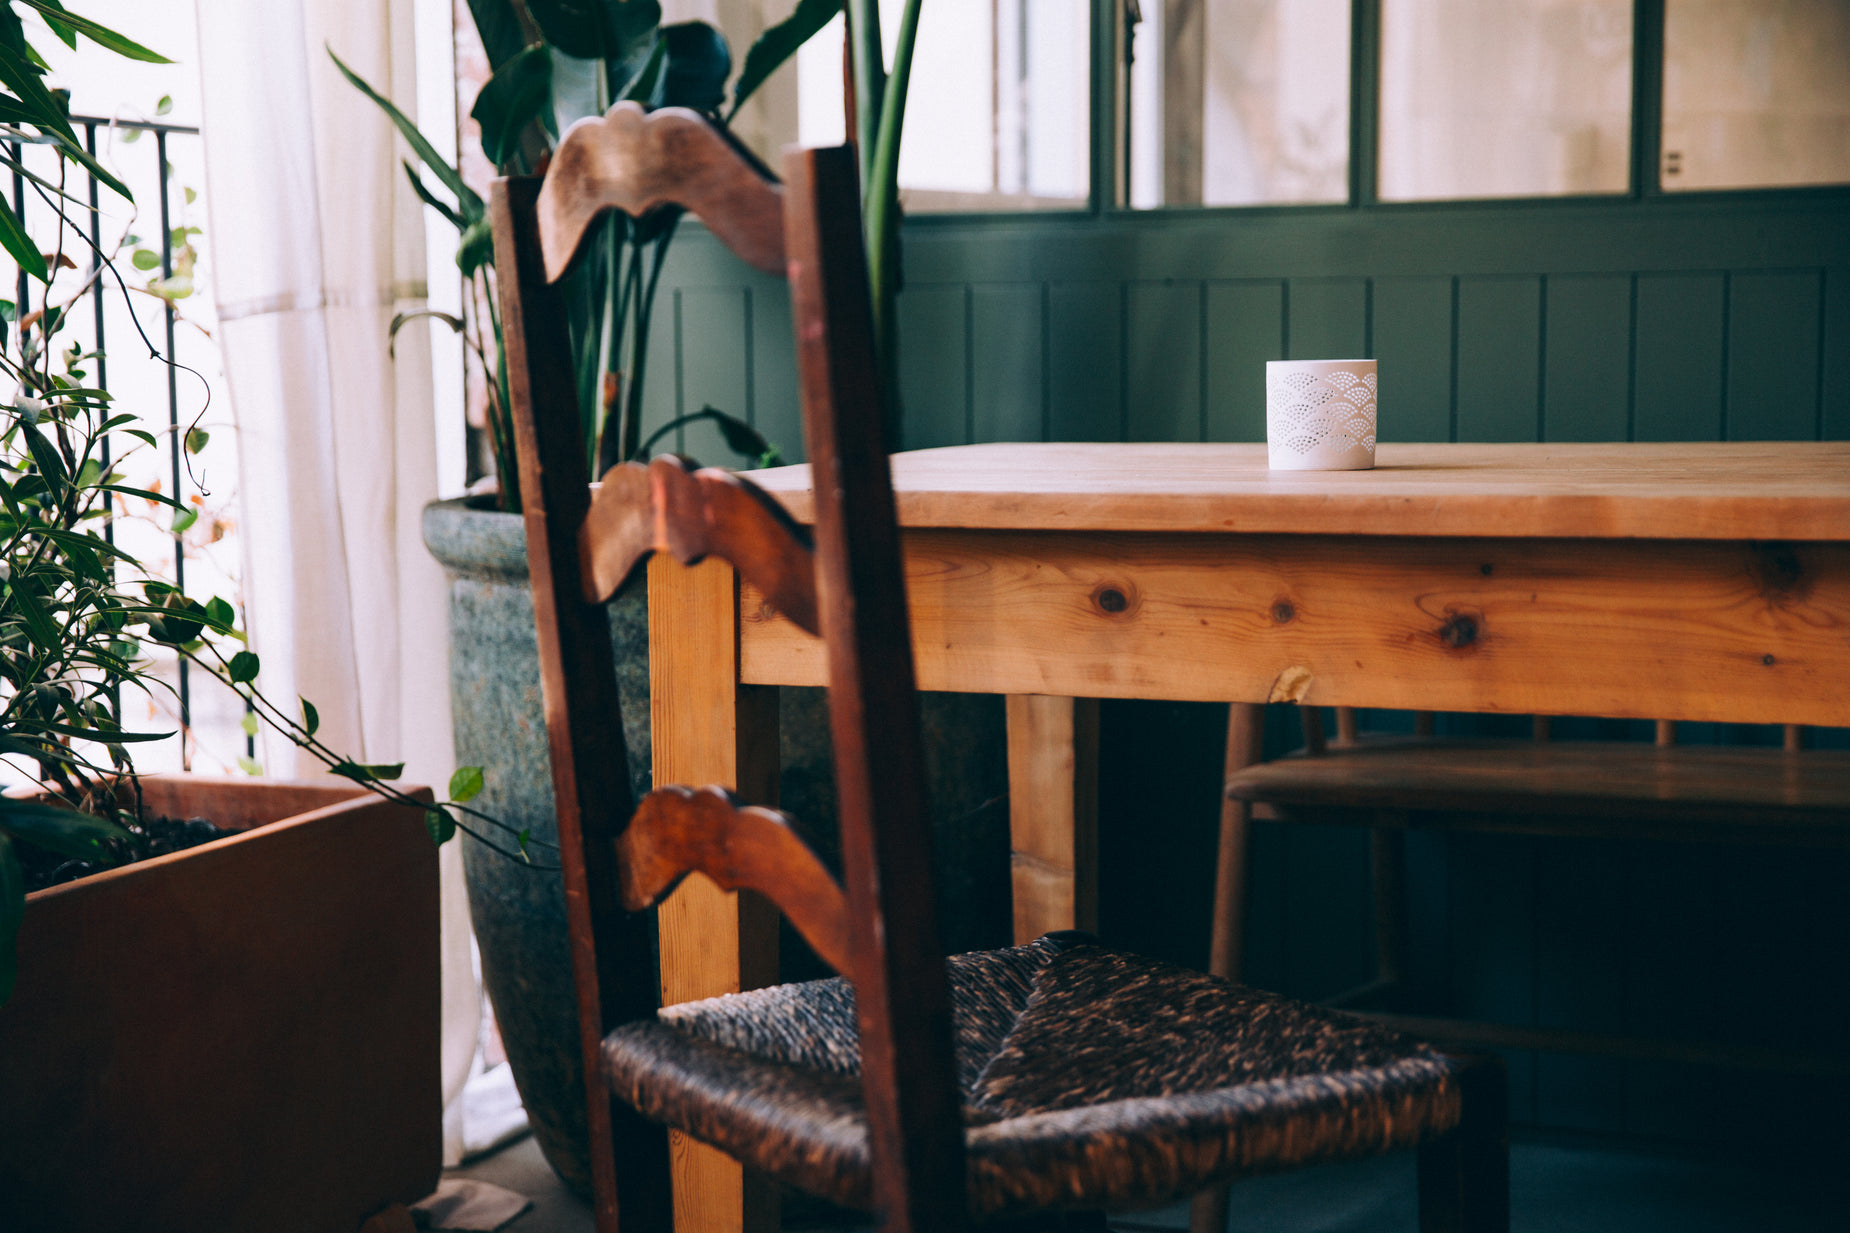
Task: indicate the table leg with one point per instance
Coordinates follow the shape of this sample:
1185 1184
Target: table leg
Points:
710 730
1053 813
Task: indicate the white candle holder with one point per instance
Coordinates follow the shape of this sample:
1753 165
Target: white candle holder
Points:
1320 415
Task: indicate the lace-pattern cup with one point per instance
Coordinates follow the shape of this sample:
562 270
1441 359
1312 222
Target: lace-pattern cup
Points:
1320 414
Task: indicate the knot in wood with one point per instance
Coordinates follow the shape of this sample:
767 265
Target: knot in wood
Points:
1282 611
1459 630
1778 571
1112 599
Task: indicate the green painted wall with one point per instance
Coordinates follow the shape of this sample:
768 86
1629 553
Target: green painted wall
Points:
1662 319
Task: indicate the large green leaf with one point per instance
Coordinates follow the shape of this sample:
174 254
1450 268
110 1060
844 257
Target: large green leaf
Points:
595 29
431 199
513 98
107 734
867 58
174 619
12 111
499 27
698 64
65 33
477 248
59 829
45 454
12 31
578 90
12 911
45 108
575 27
468 202
42 629
367 772
441 825
243 668
778 44
67 146
143 493
643 85
101 35
19 245
466 783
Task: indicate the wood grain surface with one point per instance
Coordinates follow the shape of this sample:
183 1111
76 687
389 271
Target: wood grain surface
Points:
902 997
678 831
709 730
636 161
1639 629
663 507
1053 813
1738 490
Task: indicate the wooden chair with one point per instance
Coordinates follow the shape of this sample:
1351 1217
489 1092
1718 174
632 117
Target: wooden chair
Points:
1619 790
1059 1075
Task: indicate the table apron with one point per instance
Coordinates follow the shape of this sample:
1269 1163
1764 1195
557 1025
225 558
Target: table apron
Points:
1654 629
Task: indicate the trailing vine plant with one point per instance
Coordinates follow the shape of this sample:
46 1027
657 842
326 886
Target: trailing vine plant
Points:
79 615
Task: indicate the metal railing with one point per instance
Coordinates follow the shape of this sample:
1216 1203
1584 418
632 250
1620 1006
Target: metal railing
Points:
174 467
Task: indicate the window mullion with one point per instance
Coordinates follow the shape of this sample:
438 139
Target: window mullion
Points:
1647 97
1364 99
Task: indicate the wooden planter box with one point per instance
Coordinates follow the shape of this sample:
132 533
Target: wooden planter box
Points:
241 1038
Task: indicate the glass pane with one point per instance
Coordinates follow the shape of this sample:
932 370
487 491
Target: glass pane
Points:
1756 93
1239 102
998 115
1522 98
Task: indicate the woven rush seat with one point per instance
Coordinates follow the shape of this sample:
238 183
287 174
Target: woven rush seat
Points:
1090 1078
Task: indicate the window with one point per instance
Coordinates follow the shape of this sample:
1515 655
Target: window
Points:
1756 92
1523 98
1239 102
998 114
1256 102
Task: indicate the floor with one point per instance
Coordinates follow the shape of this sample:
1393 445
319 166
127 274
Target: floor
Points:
1555 1188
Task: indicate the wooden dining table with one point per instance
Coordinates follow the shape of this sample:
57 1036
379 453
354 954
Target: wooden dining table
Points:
1677 581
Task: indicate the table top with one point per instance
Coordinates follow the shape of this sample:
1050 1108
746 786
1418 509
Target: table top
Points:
1732 490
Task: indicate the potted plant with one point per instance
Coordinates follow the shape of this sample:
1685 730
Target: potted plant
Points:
241 1029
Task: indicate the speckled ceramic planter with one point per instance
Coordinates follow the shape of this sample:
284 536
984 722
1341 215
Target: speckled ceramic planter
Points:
519 914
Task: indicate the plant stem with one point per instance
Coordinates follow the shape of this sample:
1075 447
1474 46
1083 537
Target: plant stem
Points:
869 80
882 201
645 312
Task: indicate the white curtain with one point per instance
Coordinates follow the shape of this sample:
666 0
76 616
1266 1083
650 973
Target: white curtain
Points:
317 242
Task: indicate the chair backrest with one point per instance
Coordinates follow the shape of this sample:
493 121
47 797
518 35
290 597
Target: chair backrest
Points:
883 932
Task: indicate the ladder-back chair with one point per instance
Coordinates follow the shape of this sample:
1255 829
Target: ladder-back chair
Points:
1058 1075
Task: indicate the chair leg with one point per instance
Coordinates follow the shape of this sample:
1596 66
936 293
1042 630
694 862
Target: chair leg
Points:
1388 864
1207 1213
1465 1174
1245 740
